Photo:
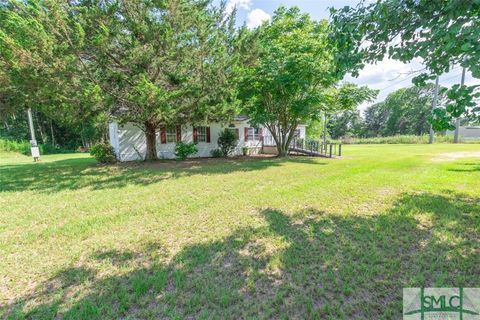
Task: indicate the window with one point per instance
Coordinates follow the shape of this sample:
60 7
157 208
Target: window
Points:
201 134
297 133
253 134
171 134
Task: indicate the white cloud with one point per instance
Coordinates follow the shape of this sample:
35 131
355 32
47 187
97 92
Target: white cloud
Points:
256 17
239 4
385 73
387 76
390 75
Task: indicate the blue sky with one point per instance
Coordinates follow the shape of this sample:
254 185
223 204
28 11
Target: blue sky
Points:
318 9
387 75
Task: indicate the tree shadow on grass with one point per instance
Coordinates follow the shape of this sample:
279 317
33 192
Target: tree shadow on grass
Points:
303 265
74 174
466 167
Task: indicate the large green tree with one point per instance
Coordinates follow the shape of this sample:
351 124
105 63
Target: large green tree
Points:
28 57
347 120
345 123
441 33
405 111
290 78
40 70
409 110
375 118
161 62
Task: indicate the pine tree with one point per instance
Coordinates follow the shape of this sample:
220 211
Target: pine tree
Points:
161 62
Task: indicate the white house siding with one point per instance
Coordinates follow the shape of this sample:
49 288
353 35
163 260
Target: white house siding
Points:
129 142
113 135
303 131
268 136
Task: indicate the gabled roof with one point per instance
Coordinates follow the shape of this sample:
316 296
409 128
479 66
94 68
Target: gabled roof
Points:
240 118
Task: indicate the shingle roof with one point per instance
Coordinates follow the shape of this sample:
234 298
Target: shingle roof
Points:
240 118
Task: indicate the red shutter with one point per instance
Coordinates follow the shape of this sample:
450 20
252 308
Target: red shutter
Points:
195 135
179 133
246 134
260 134
208 134
163 135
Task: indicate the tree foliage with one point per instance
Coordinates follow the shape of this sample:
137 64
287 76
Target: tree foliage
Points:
149 62
441 33
345 123
376 116
39 69
161 62
403 112
292 75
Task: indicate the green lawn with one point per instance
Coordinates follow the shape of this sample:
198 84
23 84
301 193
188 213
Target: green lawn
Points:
297 238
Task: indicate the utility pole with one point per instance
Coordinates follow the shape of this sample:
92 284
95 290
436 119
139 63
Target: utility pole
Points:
457 121
434 105
33 141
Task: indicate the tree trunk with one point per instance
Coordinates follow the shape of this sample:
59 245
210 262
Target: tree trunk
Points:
283 141
51 132
282 146
151 141
41 129
282 151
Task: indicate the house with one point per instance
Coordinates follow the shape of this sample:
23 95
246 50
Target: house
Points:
128 140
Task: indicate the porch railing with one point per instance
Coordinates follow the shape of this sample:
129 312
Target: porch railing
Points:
315 147
309 146
269 141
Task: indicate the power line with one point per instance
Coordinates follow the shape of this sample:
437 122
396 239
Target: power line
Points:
397 82
454 76
413 75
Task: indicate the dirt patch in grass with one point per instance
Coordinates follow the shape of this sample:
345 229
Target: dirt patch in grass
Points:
452 156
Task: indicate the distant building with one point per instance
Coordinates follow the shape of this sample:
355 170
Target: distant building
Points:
467 132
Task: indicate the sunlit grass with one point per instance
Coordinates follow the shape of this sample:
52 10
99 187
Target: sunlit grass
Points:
256 238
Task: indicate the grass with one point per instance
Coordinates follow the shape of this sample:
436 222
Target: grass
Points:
297 238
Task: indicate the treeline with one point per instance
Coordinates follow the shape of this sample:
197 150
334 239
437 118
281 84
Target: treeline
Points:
404 112
77 63
51 133
164 63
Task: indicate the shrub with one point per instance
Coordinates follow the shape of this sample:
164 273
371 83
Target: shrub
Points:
23 146
183 150
47 148
15 146
216 153
103 152
227 141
